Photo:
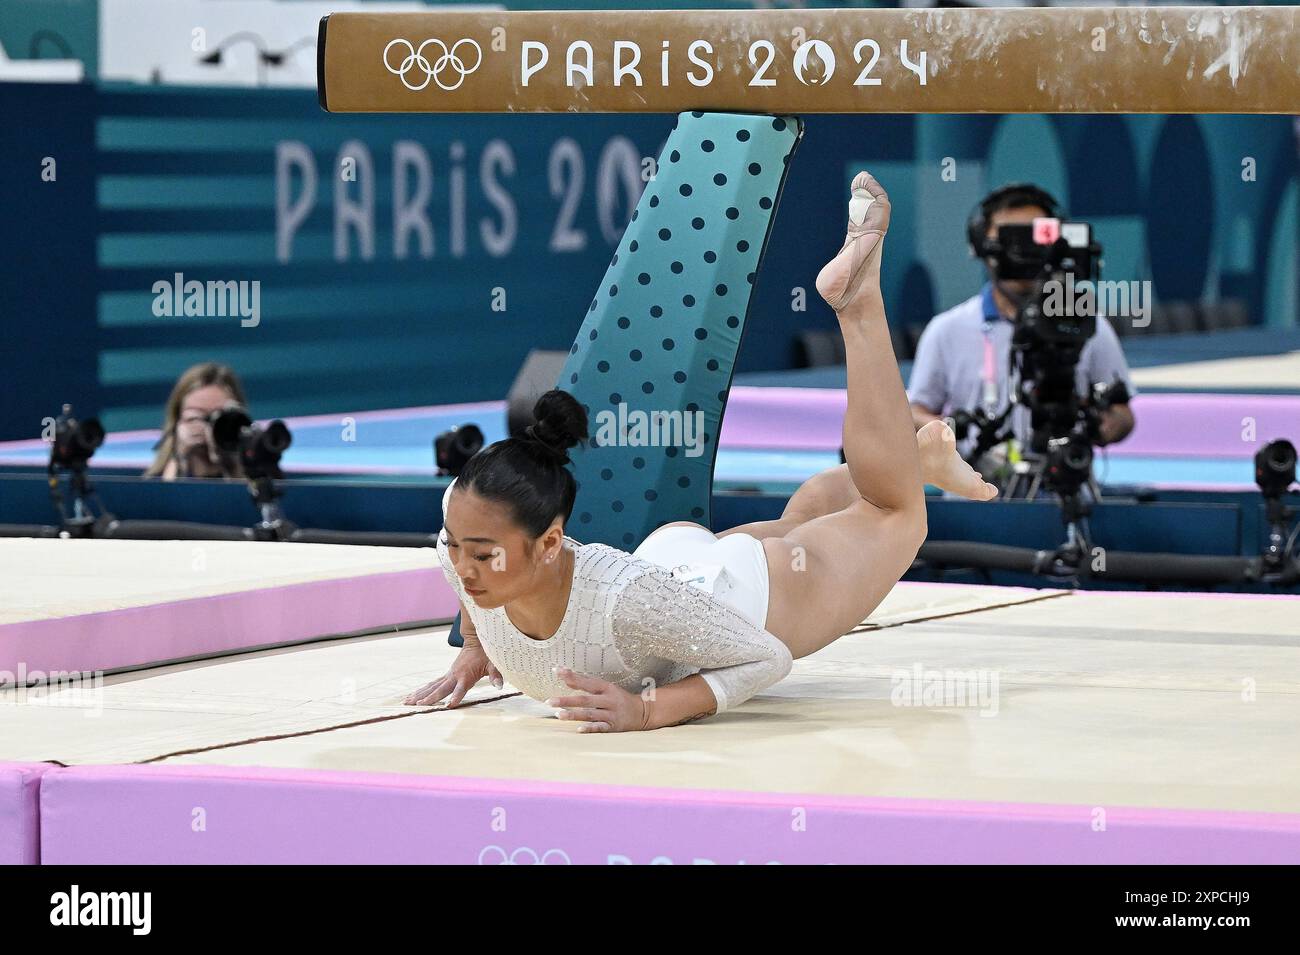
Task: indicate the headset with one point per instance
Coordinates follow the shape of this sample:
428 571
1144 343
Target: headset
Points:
1027 194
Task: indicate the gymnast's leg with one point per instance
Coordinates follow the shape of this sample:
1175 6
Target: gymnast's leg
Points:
827 574
832 490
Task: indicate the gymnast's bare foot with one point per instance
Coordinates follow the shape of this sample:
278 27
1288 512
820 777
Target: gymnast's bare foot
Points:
858 260
943 467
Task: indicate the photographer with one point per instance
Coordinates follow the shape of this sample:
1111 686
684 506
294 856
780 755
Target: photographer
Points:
963 359
187 448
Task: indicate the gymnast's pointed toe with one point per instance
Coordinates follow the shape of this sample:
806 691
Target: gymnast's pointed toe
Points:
868 207
858 260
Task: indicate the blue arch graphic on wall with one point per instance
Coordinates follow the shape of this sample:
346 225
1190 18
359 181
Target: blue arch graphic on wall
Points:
1028 148
1180 215
1094 144
662 333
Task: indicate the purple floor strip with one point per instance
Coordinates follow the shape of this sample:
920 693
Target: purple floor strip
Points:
253 815
20 812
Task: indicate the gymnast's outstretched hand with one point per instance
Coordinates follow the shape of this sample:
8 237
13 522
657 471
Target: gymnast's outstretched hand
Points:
470 666
601 707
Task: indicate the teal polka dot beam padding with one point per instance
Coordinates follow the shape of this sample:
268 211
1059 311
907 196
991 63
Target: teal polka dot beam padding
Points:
653 360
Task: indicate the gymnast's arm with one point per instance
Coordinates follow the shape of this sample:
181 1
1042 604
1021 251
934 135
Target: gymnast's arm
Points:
661 616
681 702
470 666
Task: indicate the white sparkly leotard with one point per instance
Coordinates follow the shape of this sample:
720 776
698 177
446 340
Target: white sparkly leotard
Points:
633 623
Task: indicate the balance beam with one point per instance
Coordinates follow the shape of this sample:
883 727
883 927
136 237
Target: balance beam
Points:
1058 60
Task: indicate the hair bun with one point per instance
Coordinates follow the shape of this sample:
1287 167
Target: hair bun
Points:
553 450
561 423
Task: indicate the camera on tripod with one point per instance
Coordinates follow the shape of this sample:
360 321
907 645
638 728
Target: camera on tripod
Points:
1054 265
75 441
1065 262
1052 323
258 449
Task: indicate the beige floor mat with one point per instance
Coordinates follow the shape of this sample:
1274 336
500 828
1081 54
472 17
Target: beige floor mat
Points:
1094 699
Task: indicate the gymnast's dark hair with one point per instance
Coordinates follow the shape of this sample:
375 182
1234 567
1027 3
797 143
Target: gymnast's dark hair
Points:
528 474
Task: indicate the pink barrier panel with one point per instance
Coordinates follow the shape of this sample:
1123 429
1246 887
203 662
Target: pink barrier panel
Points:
811 419
237 621
227 815
1217 426
20 812
1177 425
784 419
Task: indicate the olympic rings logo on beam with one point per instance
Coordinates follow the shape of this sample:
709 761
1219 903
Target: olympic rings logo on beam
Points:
415 59
495 855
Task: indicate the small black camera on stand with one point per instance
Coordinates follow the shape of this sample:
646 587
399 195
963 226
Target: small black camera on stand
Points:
74 443
1275 472
258 451
453 449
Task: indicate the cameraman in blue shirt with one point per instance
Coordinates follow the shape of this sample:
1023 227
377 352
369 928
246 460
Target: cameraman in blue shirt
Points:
963 360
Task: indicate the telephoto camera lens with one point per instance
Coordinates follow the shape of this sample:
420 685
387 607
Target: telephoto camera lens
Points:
1275 467
453 449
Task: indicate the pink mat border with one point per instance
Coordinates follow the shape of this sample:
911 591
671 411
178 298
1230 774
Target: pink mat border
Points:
142 814
201 626
20 812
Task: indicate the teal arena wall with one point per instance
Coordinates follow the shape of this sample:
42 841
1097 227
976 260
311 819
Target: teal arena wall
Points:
528 211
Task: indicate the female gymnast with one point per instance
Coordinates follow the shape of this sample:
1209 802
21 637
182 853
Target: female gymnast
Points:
692 624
